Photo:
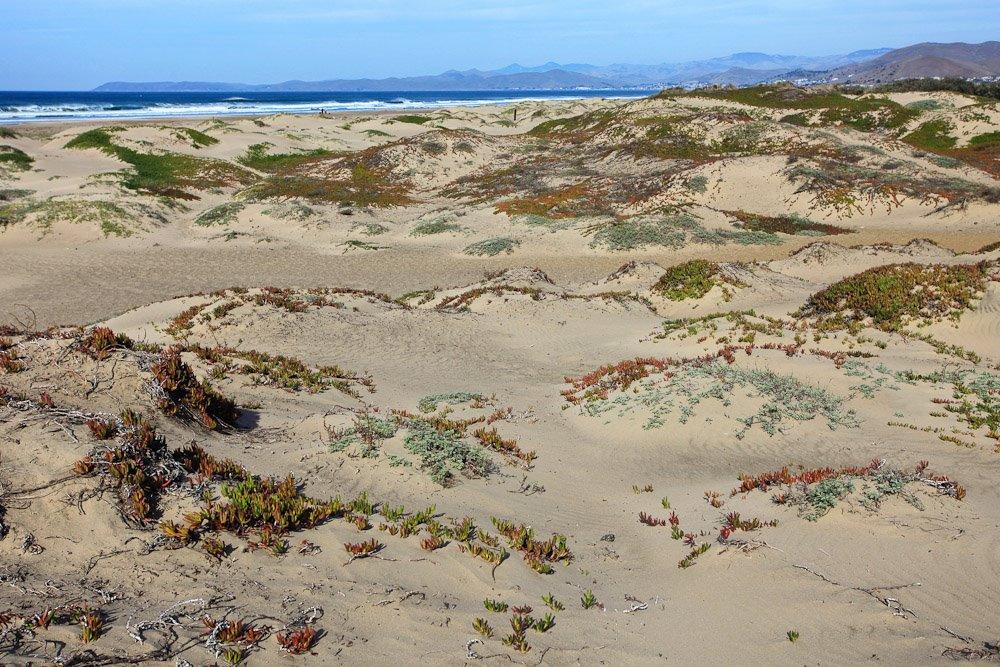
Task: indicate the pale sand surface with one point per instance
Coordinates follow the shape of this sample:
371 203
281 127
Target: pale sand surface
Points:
898 571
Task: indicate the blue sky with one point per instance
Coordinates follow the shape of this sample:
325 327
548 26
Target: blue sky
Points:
78 44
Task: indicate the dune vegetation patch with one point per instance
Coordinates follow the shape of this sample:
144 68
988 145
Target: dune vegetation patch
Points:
492 247
820 108
110 218
412 119
794 224
169 175
363 187
258 157
574 201
887 297
815 492
223 214
660 388
444 224
673 231
693 280
197 138
981 152
848 189
14 159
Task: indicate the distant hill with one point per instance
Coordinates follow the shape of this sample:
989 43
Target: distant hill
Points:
738 69
958 59
471 80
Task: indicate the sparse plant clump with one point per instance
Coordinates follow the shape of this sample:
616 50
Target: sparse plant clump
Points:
298 641
786 224
280 371
430 403
661 385
182 394
539 555
692 280
440 225
674 231
361 186
223 214
890 296
492 247
14 159
820 490
111 219
442 452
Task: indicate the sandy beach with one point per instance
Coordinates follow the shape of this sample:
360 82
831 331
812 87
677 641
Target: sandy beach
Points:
708 376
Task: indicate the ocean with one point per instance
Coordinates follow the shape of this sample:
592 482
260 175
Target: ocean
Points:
21 107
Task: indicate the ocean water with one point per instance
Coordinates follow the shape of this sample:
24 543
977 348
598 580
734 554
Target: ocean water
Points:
20 107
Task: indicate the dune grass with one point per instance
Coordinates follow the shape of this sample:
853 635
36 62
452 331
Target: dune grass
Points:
15 159
257 157
168 175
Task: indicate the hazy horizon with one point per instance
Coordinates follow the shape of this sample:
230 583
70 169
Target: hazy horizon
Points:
260 41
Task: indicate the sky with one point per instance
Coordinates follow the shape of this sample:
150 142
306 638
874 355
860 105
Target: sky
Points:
79 44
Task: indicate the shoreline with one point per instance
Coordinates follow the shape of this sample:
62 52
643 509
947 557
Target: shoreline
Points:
382 108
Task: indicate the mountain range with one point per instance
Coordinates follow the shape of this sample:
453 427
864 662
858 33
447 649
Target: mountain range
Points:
866 66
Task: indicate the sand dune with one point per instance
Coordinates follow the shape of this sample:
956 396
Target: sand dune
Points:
701 346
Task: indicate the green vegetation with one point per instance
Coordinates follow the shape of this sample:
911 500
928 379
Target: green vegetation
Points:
112 219
15 159
889 296
430 403
697 184
986 89
164 174
492 247
672 232
932 136
257 157
640 385
198 138
785 224
223 214
814 107
439 225
987 139
7 133
442 452
690 280
412 118
364 187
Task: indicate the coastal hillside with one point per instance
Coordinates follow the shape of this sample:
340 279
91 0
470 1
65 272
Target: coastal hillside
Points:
928 60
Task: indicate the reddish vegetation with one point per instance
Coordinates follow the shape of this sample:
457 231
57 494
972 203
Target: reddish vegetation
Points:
784 477
184 395
298 641
650 520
